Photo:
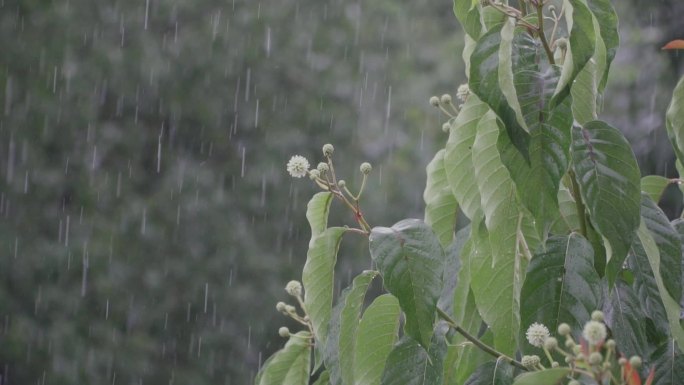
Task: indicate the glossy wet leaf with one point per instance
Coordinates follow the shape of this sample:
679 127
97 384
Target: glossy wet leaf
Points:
441 207
377 333
410 364
625 318
668 363
674 121
607 20
290 365
654 186
553 376
492 373
411 262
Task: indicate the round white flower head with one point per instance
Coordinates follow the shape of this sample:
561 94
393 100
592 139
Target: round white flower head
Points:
284 332
298 166
434 101
463 92
530 362
564 329
294 288
328 149
366 168
537 334
594 332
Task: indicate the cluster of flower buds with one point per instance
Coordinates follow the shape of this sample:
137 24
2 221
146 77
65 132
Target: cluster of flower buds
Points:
293 288
591 359
445 104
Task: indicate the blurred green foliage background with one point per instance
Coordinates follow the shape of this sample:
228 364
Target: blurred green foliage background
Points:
147 225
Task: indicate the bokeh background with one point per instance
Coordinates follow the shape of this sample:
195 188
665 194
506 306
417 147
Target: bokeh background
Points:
147 224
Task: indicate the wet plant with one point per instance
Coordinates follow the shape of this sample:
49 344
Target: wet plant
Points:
563 234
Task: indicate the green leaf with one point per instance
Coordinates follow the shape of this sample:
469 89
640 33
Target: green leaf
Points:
410 364
452 266
492 373
668 364
469 17
608 176
672 307
625 318
317 211
323 378
411 262
654 186
458 160
607 20
375 338
441 207
581 48
561 285
318 279
484 82
669 246
546 377
344 323
567 220
674 121
289 365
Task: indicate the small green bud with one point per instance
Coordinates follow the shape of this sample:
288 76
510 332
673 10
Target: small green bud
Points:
341 183
597 315
564 329
569 343
595 358
280 306
294 288
322 168
445 99
313 174
635 361
290 309
365 168
530 362
562 43
434 101
550 343
328 149
569 359
284 332
622 361
446 127
607 365
577 349
610 344
555 364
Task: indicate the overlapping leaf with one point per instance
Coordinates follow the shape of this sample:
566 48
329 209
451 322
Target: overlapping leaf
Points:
625 318
376 335
492 373
339 352
547 377
452 268
674 121
411 364
411 262
607 21
458 160
468 15
441 207
668 364
561 285
654 186
608 177
290 365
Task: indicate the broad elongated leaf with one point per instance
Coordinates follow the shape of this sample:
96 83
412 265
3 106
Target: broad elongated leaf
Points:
561 285
469 17
668 364
290 365
567 220
376 335
547 377
318 278
323 378
607 20
669 246
646 289
339 352
484 82
581 48
608 177
492 373
626 319
441 207
411 262
654 186
458 160
672 308
452 267
410 364
674 121
317 211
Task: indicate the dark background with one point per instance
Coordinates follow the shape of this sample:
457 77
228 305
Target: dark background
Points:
147 224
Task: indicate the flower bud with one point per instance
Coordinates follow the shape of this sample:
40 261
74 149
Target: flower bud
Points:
280 306
341 183
445 99
434 101
322 167
290 309
562 43
570 344
366 168
610 344
463 92
622 361
328 149
594 332
595 358
537 334
294 288
555 364
313 174
530 362
564 329
446 127
284 332
635 361
597 315
550 343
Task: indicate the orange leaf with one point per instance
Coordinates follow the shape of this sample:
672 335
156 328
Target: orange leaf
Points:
674 44
649 380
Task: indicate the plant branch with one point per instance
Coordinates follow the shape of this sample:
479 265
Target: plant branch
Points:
542 36
579 204
484 347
